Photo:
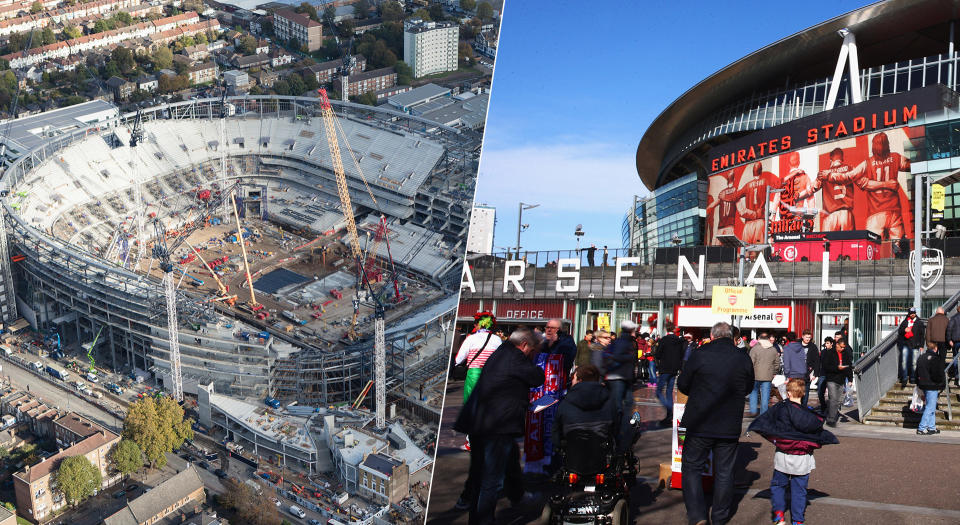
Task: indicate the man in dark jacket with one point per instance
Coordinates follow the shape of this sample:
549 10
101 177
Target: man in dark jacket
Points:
930 379
494 417
557 342
587 406
794 358
621 360
837 367
716 378
909 339
583 349
669 360
813 362
953 338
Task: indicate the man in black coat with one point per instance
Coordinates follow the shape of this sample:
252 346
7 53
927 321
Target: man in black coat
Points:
813 362
669 357
557 342
931 379
837 365
716 378
494 418
909 339
620 360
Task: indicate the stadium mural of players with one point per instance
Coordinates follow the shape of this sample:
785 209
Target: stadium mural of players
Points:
858 183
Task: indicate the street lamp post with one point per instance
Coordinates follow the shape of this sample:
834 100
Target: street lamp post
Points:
521 207
578 233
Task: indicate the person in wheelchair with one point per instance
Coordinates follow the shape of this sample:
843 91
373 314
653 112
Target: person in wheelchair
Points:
594 459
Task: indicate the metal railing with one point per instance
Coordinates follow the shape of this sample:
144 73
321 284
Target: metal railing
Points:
877 371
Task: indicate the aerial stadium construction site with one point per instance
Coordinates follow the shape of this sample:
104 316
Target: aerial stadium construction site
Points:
243 190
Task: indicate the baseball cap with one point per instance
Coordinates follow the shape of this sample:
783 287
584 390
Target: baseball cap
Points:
912 310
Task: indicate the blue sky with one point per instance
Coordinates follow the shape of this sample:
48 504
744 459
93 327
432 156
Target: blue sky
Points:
575 87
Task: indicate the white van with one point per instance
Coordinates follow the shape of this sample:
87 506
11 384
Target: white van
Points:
37 365
297 511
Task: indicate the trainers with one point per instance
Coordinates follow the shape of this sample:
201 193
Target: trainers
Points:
778 518
462 504
465 446
933 431
797 523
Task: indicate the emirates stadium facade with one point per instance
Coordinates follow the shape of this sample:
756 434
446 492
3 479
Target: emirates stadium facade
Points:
807 149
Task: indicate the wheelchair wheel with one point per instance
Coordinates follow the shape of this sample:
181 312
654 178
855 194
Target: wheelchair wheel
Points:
621 513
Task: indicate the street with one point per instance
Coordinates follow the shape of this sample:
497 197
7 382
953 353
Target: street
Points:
59 397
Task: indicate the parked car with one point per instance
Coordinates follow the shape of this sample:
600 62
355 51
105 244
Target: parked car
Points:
275 501
220 473
313 522
297 511
92 377
131 488
204 465
120 494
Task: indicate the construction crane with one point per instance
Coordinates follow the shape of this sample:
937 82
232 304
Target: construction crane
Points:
330 127
162 252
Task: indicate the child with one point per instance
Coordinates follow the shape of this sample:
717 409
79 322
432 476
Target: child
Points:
796 431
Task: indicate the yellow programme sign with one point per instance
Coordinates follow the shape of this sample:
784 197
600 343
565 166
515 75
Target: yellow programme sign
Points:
938 197
732 300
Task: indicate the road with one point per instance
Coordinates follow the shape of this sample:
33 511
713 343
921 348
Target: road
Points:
63 398
58 397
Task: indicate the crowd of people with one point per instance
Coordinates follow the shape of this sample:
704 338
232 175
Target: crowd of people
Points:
540 384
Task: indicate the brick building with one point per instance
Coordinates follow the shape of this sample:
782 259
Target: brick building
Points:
288 24
361 83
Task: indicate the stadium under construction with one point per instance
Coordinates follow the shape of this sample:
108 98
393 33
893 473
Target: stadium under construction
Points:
86 207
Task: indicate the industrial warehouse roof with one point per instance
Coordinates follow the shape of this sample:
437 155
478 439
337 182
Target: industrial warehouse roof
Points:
291 431
29 132
886 32
418 95
381 463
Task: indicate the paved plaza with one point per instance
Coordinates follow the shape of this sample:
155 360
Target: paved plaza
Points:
876 474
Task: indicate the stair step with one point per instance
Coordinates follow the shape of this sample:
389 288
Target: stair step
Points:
898 410
911 422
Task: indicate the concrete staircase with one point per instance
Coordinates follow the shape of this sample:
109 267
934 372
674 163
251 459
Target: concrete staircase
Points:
894 409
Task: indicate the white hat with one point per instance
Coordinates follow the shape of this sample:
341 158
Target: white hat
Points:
627 324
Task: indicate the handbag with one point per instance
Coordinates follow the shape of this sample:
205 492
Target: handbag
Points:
459 372
917 400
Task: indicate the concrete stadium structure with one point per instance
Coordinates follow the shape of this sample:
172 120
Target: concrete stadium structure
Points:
68 195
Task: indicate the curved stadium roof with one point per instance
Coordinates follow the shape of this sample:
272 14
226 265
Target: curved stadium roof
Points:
886 32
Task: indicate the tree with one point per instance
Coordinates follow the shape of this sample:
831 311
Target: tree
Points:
266 26
484 11
248 45
193 5
422 14
250 507
123 17
157 426
468 5
436 12
294 43
163 58
361 8
36 7
345 28
126 457
308 10
369 98
201 38
404 73
47 36
297 85
77 478
281 87
391 11
310 83
72 32
466 53
123 57
329 15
